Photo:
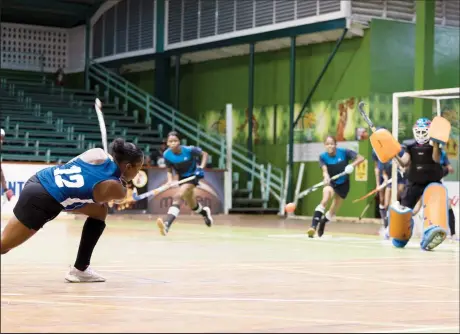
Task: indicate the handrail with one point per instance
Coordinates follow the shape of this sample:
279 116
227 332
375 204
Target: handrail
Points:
174 118
188 121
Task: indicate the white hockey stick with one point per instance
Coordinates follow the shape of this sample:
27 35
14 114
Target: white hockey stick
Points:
100 118
158 190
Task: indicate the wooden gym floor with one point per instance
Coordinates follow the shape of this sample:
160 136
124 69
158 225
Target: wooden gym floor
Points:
246 274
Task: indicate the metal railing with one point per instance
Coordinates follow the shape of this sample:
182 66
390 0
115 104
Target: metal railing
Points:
269 176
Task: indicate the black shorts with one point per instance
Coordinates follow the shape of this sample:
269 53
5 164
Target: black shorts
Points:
195 181
341 189
412 194
35 206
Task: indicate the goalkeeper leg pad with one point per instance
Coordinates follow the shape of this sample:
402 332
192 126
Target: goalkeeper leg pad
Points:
401 224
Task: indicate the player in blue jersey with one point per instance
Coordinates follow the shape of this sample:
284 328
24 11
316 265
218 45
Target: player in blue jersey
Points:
332 162
184 161
84 185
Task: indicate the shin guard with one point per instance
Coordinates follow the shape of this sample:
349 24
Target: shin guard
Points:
400 224
435 203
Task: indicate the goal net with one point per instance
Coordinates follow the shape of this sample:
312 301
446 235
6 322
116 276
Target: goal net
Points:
442 102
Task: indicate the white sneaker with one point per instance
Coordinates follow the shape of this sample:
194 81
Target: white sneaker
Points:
77 276
208 219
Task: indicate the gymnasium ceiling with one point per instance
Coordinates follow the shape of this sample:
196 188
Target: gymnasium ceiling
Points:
55 13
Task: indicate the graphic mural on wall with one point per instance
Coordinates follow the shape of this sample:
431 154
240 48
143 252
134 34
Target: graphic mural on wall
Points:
271 123
340 118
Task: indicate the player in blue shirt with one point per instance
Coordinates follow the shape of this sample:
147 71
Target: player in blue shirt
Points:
83 185
334 161
184 161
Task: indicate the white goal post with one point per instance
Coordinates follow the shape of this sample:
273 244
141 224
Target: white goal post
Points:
437 95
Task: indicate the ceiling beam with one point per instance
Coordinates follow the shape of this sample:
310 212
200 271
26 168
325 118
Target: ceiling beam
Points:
46 5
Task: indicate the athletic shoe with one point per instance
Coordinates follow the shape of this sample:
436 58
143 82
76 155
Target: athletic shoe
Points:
87 276
311 232
208 218
164 228
432 237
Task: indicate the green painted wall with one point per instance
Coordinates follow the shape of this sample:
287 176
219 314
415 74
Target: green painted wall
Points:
380 63
393 57
210 85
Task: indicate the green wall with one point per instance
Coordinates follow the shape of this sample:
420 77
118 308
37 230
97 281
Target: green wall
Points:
210 85
380 63
393 57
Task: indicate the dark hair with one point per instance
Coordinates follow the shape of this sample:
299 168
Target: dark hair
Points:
123 151
332 137
173 133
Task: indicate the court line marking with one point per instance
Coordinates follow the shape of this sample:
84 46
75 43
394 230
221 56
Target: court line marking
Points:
356 278
215 314
236 266
268 300
365 261
416 330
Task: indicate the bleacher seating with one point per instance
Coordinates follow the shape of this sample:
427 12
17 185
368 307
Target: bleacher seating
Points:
53 124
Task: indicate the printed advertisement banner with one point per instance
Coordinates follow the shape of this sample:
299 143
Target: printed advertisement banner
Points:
209 192
16 176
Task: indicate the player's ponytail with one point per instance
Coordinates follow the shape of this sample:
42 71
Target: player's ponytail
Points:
123 151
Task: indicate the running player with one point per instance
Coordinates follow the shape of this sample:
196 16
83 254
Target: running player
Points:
334 161
7 193
83 185
423 160
183 160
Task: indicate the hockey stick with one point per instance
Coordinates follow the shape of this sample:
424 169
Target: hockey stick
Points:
158 190
100 118
365 208
376 190
319 185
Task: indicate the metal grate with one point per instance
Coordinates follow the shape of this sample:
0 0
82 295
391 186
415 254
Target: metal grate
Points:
306 8
264 12
147 24
190 22
208 13
121 27
244 15
225 16
284 10
109 32
97 38
447 11
174 21
134 14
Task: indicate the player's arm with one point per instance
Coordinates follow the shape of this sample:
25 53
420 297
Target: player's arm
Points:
355 158
109 190
204 159
3 180
403 158
436 153
322 164
169 174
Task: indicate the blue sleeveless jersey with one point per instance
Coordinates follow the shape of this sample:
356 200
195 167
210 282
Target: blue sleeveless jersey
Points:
184 163
72 184
337 163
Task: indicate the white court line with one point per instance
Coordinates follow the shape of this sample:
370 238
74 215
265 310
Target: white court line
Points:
417 330
412 285
268 300
205 314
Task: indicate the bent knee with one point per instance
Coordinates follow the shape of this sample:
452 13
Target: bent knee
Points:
100 213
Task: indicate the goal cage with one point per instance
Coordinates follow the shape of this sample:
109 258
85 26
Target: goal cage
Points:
445 102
